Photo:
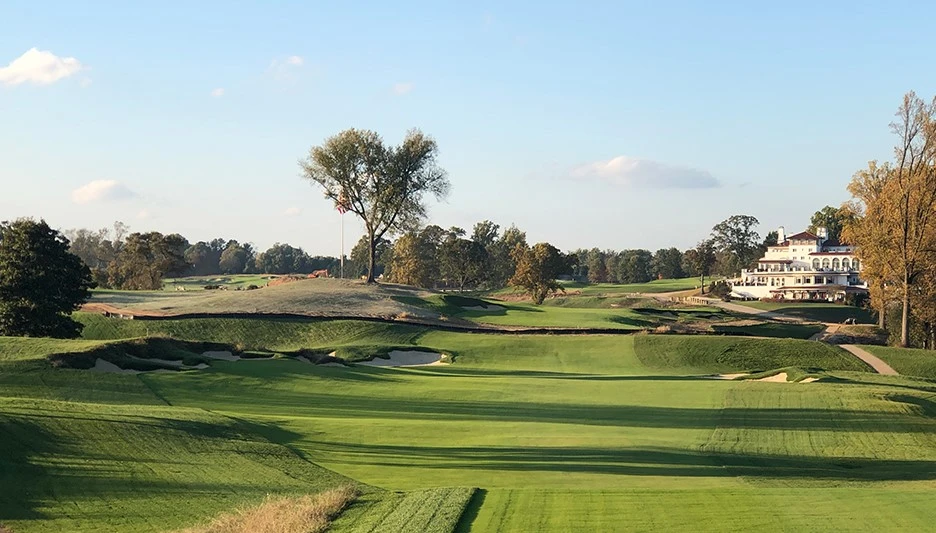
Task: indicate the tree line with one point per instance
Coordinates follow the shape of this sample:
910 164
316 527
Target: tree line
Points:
119 259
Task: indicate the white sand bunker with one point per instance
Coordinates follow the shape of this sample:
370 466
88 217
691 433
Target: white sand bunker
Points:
101 365
407 358
725 376
809 380
776 378
223 356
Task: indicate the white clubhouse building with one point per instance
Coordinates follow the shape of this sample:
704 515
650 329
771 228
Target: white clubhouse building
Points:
804 266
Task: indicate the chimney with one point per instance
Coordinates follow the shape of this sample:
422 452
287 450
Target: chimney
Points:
781 235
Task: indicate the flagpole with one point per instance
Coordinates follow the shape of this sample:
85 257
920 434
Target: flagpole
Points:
341 268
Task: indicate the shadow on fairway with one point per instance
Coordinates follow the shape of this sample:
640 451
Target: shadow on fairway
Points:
444 371
798 419
471 511
20 442
631 462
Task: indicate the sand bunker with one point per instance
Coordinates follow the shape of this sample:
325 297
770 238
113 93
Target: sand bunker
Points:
101 365
407 358
777 378
489 307
809 380
725 376
223 356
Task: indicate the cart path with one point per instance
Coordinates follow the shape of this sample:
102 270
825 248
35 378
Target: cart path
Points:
877 364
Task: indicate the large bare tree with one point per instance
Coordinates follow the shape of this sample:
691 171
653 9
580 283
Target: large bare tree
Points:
383 185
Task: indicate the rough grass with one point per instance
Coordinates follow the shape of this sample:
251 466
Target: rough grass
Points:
726 354
297 514
907 361
430 511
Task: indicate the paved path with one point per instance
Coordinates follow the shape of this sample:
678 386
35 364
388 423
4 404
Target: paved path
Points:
878 365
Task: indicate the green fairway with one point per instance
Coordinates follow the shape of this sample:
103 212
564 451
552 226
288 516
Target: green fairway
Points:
577 288
817 311
559 433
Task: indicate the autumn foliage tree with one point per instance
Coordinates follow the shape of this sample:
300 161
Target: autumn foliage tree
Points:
895 211
537 270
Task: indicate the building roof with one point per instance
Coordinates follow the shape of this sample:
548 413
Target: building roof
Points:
832 253
774 260
838 287
803 236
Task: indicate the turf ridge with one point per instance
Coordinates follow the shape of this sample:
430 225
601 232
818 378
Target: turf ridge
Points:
437 510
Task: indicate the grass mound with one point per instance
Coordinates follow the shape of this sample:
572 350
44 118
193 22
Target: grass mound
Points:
726 354
430 511
88 467
907 361
771 329
300 514
260 334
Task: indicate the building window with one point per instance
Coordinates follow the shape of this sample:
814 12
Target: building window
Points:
856 265
825 263
845 264
815 264
835 264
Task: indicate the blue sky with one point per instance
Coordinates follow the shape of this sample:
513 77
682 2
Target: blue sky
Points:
617 125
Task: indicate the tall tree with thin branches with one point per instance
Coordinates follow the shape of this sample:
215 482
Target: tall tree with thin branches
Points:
898 222
383 185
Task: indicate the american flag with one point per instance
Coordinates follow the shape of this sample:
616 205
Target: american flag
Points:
342 205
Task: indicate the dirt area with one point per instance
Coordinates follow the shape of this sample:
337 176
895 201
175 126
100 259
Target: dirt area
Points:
311 297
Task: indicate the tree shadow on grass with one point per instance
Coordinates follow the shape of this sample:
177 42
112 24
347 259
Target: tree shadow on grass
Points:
794 419
20 442
470 514
443 371
668 462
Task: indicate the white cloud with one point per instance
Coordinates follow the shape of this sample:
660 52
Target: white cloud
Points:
39 67
292 211
285 69
403 88
144 214
218 93
100 191
632 171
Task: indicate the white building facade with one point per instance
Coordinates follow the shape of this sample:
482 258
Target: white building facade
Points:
804 266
